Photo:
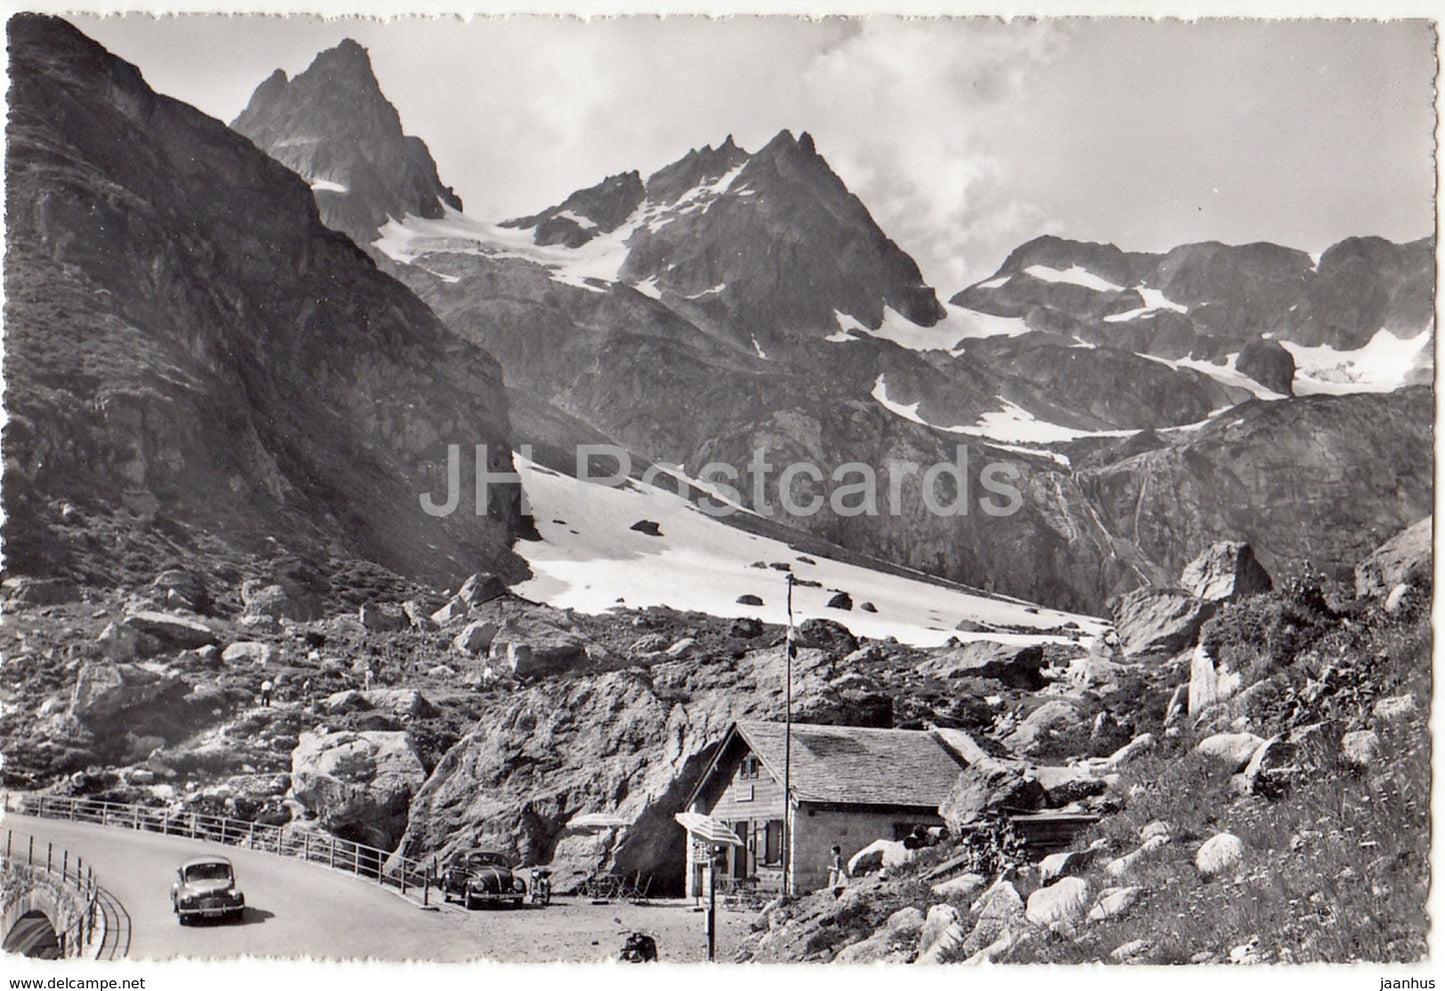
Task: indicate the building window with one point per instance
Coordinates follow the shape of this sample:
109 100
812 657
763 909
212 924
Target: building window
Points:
748 770
773 842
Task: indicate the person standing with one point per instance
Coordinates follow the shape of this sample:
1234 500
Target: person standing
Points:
837 872
266 693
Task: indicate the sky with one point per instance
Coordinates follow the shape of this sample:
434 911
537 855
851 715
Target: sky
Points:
964 137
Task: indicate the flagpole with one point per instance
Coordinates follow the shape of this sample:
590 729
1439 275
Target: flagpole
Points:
788 753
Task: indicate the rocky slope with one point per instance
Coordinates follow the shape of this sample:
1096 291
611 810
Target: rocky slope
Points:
197 366
1264 824
332 125
1243 476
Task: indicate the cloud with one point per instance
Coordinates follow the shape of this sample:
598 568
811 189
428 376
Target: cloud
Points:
908 110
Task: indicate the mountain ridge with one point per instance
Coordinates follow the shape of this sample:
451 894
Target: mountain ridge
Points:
248 384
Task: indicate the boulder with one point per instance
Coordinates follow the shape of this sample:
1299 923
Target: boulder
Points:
535 643
985 786
345 702
119 643
103 690
382 618
1231 749
1394 709
535 658
1270 769
826 635
1114 902
1360 748
1155 827
180 588
357 784
682 648
259 624
1220 853
650 528
1040 725
279 600
1396 598
893 942
25 590
206 658
417 614
252 652
749 599
1120 866
648 643
476 637
1016 665
879 855
1141 744
867 607
1131 952
998 911
477 590
746 627
939 918
1225 572
1070 863
172 630
1174 708
1070 783
1065 902
1158 620
401 702
964 887
1268 363
840 600
1406 558
1208 684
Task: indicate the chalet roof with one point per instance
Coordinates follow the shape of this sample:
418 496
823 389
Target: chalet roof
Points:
857 766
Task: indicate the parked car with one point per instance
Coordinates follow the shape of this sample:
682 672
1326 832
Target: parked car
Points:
205 888
480 877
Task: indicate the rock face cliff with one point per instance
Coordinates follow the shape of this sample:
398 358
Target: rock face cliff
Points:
1211 299
332 125
197 365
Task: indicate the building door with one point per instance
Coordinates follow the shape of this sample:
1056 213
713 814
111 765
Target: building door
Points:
738 855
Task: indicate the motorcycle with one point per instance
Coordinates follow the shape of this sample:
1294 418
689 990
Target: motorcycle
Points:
541 887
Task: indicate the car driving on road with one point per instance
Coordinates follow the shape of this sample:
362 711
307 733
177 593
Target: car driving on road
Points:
205 888
480 877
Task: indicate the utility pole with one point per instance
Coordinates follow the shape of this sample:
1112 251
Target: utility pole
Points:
788 754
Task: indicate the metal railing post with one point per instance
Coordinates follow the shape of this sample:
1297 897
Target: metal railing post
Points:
49 849
64 866
331 857
426 885
30 853
135 817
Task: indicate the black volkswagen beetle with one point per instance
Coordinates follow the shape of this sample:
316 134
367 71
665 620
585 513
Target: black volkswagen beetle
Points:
480 877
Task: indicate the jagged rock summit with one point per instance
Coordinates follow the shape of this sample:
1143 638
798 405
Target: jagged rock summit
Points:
333 126
197 366
771 240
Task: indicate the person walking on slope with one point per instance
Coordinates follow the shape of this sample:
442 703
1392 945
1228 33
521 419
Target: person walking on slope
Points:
266 693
